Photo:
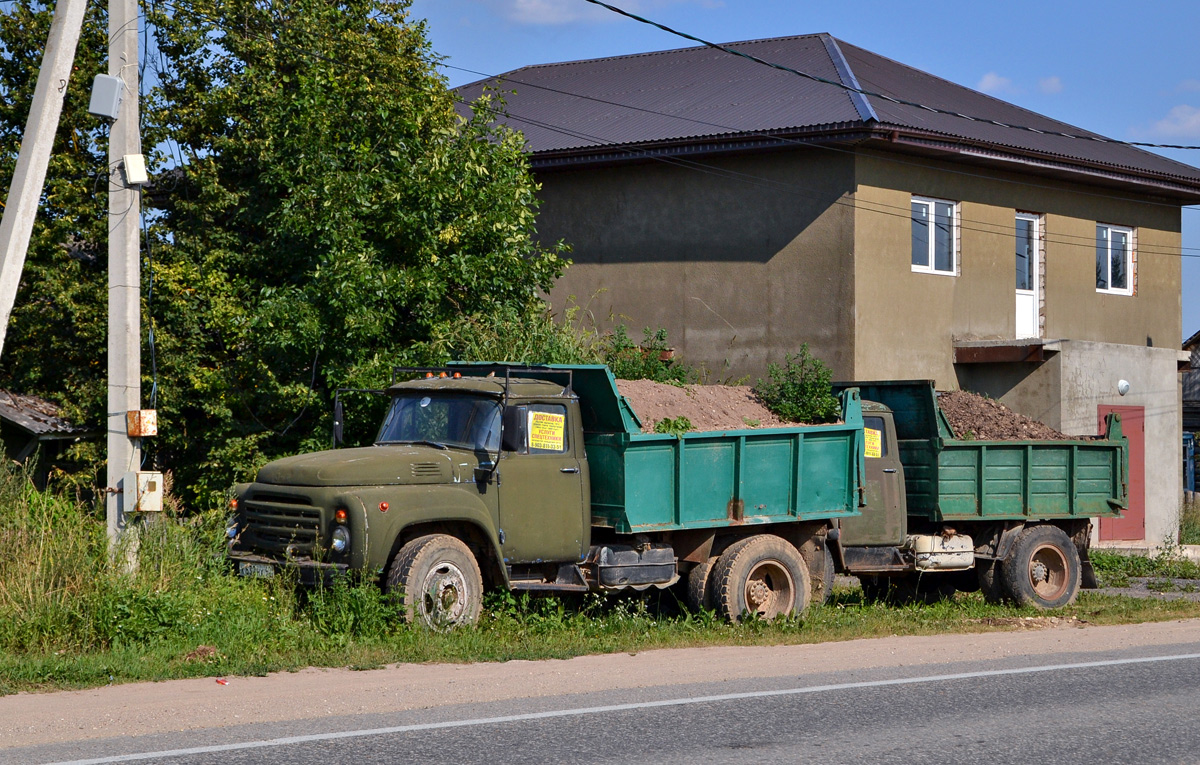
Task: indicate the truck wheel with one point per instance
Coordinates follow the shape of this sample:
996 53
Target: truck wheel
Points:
1042 569
991 583
437 582
762 575
699 595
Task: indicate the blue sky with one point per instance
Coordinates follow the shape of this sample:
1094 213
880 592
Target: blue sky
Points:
1128 72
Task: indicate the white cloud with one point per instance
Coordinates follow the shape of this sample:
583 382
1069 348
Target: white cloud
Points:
557 12
994 83
1050 85
1190 86
1182 121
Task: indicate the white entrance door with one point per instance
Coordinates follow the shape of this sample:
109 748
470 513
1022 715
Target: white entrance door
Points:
1027 276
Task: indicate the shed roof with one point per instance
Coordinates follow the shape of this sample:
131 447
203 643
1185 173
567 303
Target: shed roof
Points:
37 416
581 110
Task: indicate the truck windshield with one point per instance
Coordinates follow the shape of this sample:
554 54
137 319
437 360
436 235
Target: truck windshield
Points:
443 419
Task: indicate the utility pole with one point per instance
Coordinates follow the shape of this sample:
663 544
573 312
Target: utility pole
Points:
25 191
124 277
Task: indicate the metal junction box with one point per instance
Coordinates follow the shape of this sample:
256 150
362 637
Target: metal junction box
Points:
143 490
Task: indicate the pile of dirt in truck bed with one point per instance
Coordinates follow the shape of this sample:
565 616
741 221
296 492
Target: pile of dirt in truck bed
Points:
975 417
708 407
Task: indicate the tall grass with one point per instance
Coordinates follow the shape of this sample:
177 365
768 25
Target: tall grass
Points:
72 616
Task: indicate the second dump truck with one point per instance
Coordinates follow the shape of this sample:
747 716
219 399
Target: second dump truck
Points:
540 478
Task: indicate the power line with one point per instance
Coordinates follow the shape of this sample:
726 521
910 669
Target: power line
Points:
1088 242
884 96
779 139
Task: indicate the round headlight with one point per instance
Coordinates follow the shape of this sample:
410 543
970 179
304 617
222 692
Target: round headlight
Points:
341 539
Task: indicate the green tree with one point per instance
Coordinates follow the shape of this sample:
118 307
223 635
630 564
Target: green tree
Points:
323 209
55 339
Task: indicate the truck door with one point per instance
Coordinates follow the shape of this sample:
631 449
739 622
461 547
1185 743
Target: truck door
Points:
541 485
883 520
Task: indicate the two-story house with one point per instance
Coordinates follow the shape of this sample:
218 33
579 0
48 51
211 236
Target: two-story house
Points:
902 225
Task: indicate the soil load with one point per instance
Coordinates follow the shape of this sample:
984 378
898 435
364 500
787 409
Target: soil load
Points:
977 418
707 407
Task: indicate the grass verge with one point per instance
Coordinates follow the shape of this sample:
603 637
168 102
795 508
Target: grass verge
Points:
71 618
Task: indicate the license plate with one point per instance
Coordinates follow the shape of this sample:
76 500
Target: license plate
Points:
260 570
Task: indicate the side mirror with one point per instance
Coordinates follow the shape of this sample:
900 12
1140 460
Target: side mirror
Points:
338 417
512 433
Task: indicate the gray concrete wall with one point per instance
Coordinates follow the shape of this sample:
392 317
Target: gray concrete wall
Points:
1066 390
741 263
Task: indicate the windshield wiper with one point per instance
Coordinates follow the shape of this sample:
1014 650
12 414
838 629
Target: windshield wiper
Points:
423 442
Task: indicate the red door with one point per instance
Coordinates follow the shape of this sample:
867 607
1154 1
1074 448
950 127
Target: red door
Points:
1133 525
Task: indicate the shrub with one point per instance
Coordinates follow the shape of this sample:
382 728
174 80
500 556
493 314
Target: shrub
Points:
649 361
799 390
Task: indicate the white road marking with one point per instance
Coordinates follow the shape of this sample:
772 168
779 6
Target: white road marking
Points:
615 708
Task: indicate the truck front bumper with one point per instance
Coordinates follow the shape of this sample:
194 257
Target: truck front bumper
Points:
309 572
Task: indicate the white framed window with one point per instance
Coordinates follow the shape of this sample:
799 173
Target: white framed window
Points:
1114 259
934 236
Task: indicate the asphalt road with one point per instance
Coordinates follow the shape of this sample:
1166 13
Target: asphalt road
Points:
1134 704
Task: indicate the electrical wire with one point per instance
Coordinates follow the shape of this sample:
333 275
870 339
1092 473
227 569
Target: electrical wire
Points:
1086 242
643 154
884 96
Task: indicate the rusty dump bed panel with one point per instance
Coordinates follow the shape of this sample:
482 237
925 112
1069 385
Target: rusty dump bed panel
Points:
950 479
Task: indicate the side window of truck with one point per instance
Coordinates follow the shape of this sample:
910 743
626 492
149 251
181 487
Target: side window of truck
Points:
876 441
536 429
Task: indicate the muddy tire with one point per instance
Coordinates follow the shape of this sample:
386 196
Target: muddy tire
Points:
1042 568
699 594
991 582
437 582
762 575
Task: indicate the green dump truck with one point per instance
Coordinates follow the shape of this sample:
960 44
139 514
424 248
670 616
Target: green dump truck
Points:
540 478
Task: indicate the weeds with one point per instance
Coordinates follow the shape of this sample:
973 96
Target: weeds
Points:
70 617
674 426
799 391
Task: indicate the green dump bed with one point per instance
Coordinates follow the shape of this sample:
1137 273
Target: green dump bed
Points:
652 482
950 479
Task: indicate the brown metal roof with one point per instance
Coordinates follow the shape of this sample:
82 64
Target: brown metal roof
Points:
703 95
37 416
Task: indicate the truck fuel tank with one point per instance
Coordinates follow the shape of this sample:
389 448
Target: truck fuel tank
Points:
941 552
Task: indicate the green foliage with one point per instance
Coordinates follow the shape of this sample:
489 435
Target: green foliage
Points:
57 330
1189 524
674 426
652 360
799 390
320 213
1115 569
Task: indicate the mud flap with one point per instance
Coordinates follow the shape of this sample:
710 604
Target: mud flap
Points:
1087 576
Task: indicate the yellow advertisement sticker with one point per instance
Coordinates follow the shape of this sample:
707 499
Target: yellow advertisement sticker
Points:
546 430
874 442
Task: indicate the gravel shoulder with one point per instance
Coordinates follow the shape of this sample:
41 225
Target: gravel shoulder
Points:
182 705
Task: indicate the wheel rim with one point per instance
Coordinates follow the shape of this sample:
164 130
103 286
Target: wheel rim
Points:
444 595
770 590
1048 572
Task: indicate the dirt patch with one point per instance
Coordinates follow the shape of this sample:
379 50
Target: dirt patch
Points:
708 407
977 418
1031 622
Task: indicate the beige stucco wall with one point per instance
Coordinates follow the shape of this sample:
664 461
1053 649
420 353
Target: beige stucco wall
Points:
1067 390
922 314
741 263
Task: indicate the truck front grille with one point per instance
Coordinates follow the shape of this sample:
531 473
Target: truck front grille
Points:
277 523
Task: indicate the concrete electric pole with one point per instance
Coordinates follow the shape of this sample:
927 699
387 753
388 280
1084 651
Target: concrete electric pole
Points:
124 277
25 192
